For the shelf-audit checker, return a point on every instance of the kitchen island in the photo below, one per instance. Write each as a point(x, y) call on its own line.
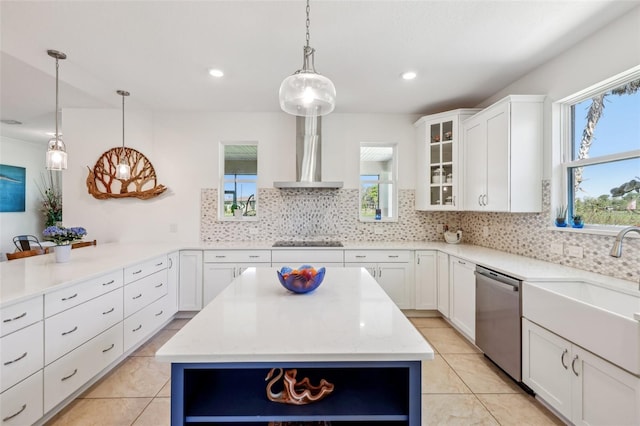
point(347, 331)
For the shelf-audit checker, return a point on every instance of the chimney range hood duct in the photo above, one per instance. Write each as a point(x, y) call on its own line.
point(308, 157)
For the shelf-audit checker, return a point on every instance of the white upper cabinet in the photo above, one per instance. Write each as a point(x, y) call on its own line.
point(502, 156)
point(438, 161)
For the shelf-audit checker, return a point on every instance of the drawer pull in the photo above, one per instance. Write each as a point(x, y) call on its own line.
point(170, 263)
point(64, 299)
point(69, 376)
point(109, 283)
point(24, 406)
point(70, 331)
point(137, 297)
point(137, 328)
point(109, 311)
point(360, 256)
point(219, 256)
point(16, 360)
point(393, 256)
point(22, 315)
point(160, 313)
point(159, 264)
point(253, 256)
point(109, 348)
point(159, 285)
point(137, 272)
point(461, 262)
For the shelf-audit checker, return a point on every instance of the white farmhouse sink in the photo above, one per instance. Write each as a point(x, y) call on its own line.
point(602, 320)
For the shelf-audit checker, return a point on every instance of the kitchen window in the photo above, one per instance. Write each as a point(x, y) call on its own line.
point(239, 181)
point(602, 153)
point(378, 182)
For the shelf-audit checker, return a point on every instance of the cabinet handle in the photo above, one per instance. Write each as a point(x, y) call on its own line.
point(393, 256)
point(159, 285)
point(480, 199)
point(573, 366)
point(22, 315)
point(379, 272)
point(64, 299)
point(454, 200)
point(361, 256)
point(137, 297)
point(16, 360)
point(220, 256)
point(137, 328)
point(137, 272)
point(253, 256)
point(418, 262)
point(69, 376)
point(109, 283)
point(24, 406)
point(64, 333)
point(160, 313)
point(485, 200)
point(159, 264)
point(109, 348)
point(461, 262)
point(566, 367)
point(109, 311)
point(170, 263)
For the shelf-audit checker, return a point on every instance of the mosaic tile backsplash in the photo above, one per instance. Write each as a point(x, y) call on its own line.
point(303, 214)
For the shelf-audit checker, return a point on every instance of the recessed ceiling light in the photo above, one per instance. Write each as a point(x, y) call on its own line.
point(216, 72)
point(409, 75)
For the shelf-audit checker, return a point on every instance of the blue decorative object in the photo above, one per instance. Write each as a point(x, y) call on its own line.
point(302, 280)
point(562, 224)
point(12, 188)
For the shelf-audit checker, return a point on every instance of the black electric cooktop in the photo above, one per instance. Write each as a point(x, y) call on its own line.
point(307, 244)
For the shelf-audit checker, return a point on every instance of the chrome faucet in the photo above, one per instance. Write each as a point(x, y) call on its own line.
point(616, 250)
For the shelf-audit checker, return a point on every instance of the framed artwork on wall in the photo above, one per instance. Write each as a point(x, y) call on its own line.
point(12, 188)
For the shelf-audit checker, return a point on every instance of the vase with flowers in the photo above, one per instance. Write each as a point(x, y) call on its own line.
point(63, 237)
point(51, 198)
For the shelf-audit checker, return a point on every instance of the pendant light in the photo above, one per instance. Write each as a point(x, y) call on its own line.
point(56, 151)
point(307, 93)
point(123, 171)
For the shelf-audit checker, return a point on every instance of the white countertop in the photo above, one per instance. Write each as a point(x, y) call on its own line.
point(348, 318)
point(24, 278)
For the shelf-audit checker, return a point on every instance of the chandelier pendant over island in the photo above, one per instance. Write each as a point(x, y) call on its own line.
point(123, 170)
point(56, 151)
point(307, 93)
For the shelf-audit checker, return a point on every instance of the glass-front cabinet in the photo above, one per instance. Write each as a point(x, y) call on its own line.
point(438, 165)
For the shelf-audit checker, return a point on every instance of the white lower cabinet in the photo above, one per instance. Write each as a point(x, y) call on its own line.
point(314, 257)
point(392, 269)
point(426, 273)
point(173, 281)
point(443, 284)
point(22, 404)
point(140, 325)
point(190, 294)
point(462, 294)
point(584, 388)
point(67, 374)
point(22, 354)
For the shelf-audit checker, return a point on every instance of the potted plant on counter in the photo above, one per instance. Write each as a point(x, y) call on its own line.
point(561, 216)
point(577, 221)
point(63, 237)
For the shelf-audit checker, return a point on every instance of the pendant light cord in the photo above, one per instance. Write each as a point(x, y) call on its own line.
point(308, 23)
point(123, 123)
point(57, 102)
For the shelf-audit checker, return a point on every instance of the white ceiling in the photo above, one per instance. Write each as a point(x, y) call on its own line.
point(463, 51)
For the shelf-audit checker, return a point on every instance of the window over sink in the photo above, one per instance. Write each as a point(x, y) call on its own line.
point(239, 181)
point(601, 153)
point(378, 182)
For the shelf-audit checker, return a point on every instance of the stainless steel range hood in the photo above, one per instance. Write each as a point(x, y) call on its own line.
point(308, 157)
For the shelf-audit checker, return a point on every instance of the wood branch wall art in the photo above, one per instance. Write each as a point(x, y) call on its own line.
point(102, 182)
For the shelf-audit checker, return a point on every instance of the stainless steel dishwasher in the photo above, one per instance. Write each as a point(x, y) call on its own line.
point(498, 312)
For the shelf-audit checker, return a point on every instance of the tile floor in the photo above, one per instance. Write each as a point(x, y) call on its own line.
point(459, 387)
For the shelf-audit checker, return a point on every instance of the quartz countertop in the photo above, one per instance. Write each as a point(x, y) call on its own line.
point(348, 318)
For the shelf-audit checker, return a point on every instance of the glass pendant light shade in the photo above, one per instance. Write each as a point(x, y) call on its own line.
point(56, 158)
point(307, 93)
point(56, 154)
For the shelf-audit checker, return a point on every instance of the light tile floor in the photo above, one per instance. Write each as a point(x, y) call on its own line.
point(459, 387)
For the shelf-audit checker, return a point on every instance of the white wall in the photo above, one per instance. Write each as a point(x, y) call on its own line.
point(183, 147)
point(31, 156)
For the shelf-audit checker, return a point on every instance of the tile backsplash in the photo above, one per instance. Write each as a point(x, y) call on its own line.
point(304, 214)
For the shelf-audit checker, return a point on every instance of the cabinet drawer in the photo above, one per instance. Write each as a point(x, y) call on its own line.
point(71, 328)
point(237, 256)
point(20, 315)
point(315, 258)
point(21, 355)
point(73, 370)
point(69, 297)
point(139, 294)
point(378, 256)
point(143, 269)
point(145, 322)
point(22, 404)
